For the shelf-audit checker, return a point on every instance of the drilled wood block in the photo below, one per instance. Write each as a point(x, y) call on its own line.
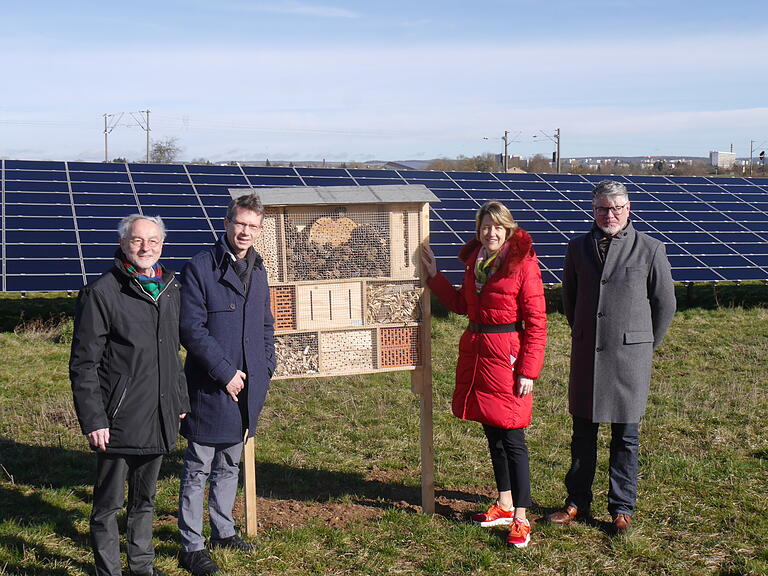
point(347, 351)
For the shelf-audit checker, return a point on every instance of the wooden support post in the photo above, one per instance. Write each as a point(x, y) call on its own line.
point(250, 485)
point(426, 437)
point(421, 382)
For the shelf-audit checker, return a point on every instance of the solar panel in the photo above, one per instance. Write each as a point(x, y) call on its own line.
point(59, 218)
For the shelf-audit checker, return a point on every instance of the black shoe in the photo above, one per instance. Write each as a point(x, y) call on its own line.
point(233, 543)
point(198, 562)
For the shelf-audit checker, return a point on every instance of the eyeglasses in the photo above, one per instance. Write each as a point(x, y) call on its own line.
point(244, 226)
point(151, 242)
point(603, 210)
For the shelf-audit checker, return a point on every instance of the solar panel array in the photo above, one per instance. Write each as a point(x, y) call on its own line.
point(59, 219)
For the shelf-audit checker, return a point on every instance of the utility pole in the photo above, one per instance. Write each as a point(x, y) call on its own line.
point(556, 140)
point(147, 113)
point(505, 159)
point(144, 124)
point(751, 151)
point(108, 127)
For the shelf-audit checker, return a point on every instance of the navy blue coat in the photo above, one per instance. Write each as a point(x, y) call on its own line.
point(223, 330)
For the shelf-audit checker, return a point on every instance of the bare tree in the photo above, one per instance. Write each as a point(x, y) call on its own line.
point(539, 164)
point(164, 151)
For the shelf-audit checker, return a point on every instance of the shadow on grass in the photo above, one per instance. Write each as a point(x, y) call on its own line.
point(53, 467)
point(280, 482)
point(16, 311)
point(14, 569)
point(29, 509)
point(761, 454)
point(30, 469)
point(312, 484)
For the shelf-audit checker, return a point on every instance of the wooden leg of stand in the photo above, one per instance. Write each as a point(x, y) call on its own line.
point(427, 449)
point(250, 487)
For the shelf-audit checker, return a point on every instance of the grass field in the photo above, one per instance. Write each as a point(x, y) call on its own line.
point(338, 465)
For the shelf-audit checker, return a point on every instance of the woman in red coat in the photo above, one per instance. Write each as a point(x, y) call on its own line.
point(500, 353)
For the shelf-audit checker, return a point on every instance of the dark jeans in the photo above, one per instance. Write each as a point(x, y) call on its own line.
point(622, 490)
point(112, 470)
point(509, 457)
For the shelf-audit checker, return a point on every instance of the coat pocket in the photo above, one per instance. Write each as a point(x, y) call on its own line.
point(119, 391)
point(638, 337)
point(221, 308)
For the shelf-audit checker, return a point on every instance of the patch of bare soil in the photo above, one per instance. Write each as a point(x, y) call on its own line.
point(284, 512)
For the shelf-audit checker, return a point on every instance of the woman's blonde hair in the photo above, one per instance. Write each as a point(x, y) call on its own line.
point(500, 215)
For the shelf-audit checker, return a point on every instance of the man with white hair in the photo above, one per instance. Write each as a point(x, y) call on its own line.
point(619, 299)
point(129, 389)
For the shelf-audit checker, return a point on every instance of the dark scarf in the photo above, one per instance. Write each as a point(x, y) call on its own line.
point(242, 266)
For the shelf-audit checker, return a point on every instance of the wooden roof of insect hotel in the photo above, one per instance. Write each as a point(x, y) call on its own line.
point(309, 195)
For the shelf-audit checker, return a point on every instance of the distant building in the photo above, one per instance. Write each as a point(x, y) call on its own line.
point(724, 160)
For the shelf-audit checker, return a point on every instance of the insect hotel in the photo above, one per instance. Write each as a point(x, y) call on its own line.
point(348, 292)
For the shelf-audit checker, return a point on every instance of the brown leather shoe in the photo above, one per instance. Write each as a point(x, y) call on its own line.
point(622, 523)
point(567, 515)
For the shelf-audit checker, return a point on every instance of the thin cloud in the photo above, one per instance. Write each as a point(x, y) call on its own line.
point(291, 9)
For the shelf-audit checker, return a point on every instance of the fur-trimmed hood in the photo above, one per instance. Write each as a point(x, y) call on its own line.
point(520, 245)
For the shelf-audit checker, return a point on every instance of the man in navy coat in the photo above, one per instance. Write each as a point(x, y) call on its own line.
point(227, 329)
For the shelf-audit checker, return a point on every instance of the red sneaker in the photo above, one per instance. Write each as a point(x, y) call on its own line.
point(519, 533)
point(495, 516)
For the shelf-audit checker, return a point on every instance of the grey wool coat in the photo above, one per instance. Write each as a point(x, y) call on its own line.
point(619, 314)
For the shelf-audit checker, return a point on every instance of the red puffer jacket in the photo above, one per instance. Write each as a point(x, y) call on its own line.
point(488, 364)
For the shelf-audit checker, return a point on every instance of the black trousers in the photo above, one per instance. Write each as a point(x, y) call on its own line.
point(622, 466)
point(112, 470)
point(509, 457)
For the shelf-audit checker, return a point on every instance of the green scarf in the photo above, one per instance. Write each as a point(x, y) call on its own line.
point(152, 285)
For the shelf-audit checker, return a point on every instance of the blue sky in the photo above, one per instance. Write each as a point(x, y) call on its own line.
point(354, 81)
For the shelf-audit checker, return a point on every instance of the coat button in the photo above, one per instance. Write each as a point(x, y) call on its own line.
point(600, 314)
point(232, 306)
point(598, 349)
point(603, 281)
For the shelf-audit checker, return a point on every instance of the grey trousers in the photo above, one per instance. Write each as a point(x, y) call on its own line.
point(219, 463)
point(112, 470)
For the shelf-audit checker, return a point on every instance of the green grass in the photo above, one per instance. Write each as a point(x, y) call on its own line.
point(348, 450)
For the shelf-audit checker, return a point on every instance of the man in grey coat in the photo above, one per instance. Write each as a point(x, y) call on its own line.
point(619, 300)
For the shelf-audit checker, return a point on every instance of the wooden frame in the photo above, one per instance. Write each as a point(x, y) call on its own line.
point(334, 314)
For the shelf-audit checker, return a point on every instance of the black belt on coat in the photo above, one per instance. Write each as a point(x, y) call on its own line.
point(495, 328)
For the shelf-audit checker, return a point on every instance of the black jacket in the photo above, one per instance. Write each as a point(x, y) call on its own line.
point(124, 367)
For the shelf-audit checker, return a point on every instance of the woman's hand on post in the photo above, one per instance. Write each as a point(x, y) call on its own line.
point(428, 259)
